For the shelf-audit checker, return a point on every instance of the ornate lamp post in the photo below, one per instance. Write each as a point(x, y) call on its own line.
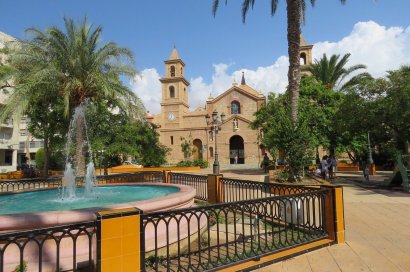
point(215, 126)
point(101, 155)
point(370, 158)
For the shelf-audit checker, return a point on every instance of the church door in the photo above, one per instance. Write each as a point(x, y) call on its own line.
point(197, 149)
point(236, 150)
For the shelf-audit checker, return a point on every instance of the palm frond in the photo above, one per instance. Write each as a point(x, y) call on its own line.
point(273, 6)
point(331, 71)
point(246, 4)
point(215, 7)
point(362, 77)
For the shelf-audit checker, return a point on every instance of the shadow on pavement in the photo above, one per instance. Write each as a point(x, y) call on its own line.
point(376, 186)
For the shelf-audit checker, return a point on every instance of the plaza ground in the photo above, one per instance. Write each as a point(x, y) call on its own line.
point(377, 228)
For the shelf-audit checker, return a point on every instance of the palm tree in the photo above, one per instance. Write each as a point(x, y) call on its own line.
point(331, 72)
point(295, 16)
point(74, 64)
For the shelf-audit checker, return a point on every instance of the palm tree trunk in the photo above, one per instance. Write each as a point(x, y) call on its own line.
point(294, 20)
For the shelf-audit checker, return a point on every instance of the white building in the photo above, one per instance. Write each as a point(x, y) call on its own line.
point(15, 142)
point(9, 137)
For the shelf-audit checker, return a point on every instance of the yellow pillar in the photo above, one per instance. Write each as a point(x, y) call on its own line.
point(334, 209)
point(119, 240)
point(215, 190)
point(339, 215)
point(220, 189)
point(372, 170)
point(167, 176)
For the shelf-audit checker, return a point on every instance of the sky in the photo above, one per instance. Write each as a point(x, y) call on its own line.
point(216, 50)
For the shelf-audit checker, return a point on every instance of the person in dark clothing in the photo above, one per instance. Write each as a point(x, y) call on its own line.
point(265, 162)
point(324, 166)
point(366, 172)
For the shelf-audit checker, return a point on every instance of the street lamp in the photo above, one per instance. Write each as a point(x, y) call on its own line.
point(215, 126)
point(101, 155)
point(370, 158)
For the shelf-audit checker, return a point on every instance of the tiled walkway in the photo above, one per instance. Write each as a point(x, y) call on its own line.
point(377, 236)
point(377, 232)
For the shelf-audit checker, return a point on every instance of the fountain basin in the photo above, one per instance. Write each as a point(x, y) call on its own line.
point(182, 197)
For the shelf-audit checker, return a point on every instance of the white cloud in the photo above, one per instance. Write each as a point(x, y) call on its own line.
point(379, 48)
point(265, 79)
point(148, 88)
point(369, 43)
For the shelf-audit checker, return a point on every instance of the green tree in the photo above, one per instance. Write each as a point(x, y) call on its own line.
point(295, 16)
point(73, 63)
point(47, 122)
point(116, 134)
point(186, 147)
point(40, 158)
point(396, 107)
point(150, 151)
point(351, 123)
point(296, 143)
point(322, 104)
point(380, 107)
point(332, 71)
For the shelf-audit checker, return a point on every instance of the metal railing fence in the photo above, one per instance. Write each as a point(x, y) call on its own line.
point(29, 184)
point(237, 190)
point(55, 182)
point(200, 183)
point(146, 176)
point(254, 220)
point(63, 248)
point(208, 237)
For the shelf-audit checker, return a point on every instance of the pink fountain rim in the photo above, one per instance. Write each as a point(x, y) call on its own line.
point(184, 198)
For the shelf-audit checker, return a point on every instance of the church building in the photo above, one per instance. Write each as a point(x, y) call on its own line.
point(235, 142)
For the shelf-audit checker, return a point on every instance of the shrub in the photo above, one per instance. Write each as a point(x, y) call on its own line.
point(184, 164)
point(21, 268)
point(40, 158)
point(200, 163)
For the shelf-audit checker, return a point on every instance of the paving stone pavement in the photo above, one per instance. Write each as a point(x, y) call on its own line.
point(377, 230)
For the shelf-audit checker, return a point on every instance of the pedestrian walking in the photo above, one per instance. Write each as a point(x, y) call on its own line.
point(265, 162)
point(366, 172)
point(332, 167)
point(324, 166)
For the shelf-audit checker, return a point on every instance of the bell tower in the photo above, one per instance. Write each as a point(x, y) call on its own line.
point(305, 55)
point(174, 101)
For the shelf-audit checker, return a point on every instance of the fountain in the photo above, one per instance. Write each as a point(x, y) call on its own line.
point(67, 206)
point(79, 204)
point(75, 137)
point(18, 215)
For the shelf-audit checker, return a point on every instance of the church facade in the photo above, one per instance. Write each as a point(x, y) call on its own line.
point(235, 141)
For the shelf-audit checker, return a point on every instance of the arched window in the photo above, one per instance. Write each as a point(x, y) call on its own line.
point(302, 58)
point(182, 73)
point(235, 107)
point(172, 71)
point(171, 91)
